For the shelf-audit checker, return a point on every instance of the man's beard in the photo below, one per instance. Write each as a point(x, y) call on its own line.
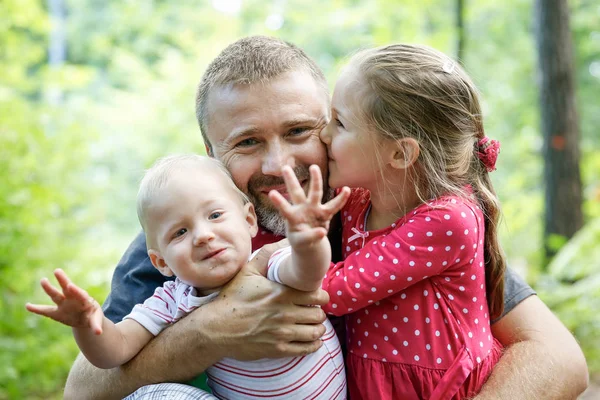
point(268, 216)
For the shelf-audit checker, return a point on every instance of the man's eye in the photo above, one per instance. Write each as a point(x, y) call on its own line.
point(246, 143)
point(180, 232)
point(339, 123)
point(215, 215)
point(298, 131)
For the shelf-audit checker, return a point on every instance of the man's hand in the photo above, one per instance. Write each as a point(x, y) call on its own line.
point(74, 306)
point(255, 318)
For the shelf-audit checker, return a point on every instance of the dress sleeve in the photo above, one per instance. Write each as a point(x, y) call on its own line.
point(158, 311)
point(430, 241)
point(133, 281)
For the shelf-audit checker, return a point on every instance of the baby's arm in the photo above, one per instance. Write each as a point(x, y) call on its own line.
point(307, 222)
point(103, 343)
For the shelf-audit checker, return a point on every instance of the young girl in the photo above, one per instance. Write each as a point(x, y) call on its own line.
point(423, 270)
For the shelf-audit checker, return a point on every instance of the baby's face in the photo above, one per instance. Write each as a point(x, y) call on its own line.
point(203, 230)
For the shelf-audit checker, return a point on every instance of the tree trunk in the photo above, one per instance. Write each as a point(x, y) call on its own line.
point(559, 122)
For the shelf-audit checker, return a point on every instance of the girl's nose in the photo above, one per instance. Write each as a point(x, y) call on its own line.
point(325, 134)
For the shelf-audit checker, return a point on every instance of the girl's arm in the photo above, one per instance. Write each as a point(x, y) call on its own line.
point(307, 222)
point(431, 241)
point(104, 344)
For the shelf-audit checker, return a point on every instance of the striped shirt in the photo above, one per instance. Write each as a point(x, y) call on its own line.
point(319, 375)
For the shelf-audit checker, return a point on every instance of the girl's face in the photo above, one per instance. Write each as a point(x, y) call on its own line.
point(352, 147)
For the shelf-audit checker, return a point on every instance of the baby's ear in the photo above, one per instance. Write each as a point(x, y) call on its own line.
point(405, 154)
point(251, 218)
point(159, 263)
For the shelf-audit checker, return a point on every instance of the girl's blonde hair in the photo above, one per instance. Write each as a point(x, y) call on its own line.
point(413, 91)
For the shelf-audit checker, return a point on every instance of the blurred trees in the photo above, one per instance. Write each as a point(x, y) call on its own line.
point(70, 170)
point(563, 215)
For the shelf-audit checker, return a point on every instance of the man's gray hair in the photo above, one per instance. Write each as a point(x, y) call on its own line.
point(253, 59)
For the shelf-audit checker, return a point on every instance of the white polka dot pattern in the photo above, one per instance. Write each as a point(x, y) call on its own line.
point(427, 263)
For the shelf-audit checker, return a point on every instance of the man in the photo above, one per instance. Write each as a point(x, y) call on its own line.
point(261, 104)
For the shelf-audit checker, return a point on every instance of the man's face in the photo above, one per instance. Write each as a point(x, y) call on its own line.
point(256, 129)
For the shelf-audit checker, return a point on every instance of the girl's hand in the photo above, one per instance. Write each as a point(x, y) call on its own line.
point(307, 220)
point(74, 306)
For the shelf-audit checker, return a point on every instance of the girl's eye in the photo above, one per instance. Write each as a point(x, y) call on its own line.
point(180, 232)
point(339, 123)
point(215, 215)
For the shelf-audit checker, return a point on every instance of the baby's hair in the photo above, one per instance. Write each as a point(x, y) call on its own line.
point(157, 176)
point(413, 91)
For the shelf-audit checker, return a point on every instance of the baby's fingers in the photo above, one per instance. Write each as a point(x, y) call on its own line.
point(334, 205)
point(293, 185)
point(315, 192)
point(51, 291)
point(62, 279)
point(281, 204)
point(46, 311)
point(76, 293)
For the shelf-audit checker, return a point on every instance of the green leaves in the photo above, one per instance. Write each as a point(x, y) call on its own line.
point(69, 170)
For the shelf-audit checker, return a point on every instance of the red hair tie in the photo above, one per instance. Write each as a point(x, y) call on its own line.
point(487, 151)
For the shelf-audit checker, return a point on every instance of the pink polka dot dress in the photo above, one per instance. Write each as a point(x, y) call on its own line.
point(414, 294)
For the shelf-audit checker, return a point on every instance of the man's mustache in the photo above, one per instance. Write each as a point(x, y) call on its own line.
point(262, 181)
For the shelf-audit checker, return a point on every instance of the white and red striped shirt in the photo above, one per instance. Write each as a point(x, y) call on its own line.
point(319, 375)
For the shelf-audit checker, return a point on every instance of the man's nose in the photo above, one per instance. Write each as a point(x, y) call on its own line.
point(203, 235)
point(276, 157)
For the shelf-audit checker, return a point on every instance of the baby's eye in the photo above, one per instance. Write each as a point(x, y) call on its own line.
point(180, 232)
point(339, 123)
point(215, 215)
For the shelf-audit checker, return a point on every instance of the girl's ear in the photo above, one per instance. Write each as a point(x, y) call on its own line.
point(251, 218)
point(405, 154)
point(159, 263)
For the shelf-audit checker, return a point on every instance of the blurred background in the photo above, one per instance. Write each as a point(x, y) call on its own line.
point(93, 91)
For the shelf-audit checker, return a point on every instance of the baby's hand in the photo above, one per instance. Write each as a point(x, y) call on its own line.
point(307, 219)
point(74, 306)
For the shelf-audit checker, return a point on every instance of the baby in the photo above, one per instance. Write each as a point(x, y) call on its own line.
point(199, 227)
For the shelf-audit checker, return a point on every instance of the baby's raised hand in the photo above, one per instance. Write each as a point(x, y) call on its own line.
point(307, 219)
point(74, 306)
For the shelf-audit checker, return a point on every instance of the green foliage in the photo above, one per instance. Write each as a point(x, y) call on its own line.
point(572, 289)
point(75, 138)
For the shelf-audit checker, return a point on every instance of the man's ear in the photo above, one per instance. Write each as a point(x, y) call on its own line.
point(251, 218)
point(405, 154)
point(159, 263)
point(208, 150)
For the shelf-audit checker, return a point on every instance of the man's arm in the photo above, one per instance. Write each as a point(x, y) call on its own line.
point(542, 360)
point(251, 318)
